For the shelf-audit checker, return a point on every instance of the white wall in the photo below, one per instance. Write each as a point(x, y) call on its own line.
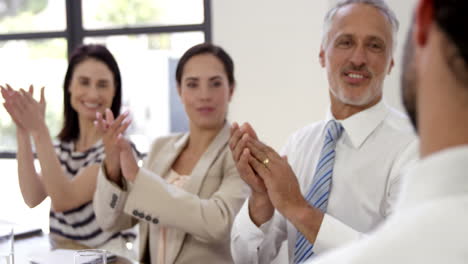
point(275, 45)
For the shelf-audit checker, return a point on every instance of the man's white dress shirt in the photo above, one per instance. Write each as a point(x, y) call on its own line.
point(376, 145)
point(430, 223)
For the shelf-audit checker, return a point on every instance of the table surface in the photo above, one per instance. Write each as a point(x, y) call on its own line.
point(40, 243)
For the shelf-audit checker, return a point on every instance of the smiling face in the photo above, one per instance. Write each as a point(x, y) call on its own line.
point(357, 55)
point(91, 88)
point(205, 91)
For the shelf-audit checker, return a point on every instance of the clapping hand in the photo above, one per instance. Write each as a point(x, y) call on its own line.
point(279, 178)
point(237, 144)
point(119, 154)
point(27, 113)
point(260, 207)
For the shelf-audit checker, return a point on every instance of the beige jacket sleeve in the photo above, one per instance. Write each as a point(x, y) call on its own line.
point(207, 213)
point(109, 201)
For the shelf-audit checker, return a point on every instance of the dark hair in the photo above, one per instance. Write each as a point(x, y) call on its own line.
point(71, 129)
point(207, 48)
point(451, 17)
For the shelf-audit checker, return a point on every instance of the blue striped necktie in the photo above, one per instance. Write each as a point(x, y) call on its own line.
point(320, 187)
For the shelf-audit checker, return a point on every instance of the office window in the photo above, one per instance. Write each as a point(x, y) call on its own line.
point(23, 64)
point(99, 14)
point(147, 37)
point(19, 16)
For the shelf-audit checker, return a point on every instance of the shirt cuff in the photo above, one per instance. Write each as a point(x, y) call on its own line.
point(246, 237)
point(254, 232)
point(333, 234)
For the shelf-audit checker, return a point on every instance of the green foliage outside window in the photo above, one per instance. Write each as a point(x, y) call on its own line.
point(124, 12)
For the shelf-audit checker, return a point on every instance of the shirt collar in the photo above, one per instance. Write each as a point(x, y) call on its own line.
point(440, 175)
point(360, 125)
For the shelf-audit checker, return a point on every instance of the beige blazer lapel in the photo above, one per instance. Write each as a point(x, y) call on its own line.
point(168, 156)
point(163, 163)
point(206, 160)
point(198, 174)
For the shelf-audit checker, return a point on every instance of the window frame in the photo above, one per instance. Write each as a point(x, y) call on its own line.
point(75, 33)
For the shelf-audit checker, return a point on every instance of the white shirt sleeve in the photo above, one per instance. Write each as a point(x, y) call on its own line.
point(333, 233)
point(406, 160)
point(252, 244)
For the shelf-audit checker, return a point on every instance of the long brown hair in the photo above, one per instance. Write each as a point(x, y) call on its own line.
point(71, 130)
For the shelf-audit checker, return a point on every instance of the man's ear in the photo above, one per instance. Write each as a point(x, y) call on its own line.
point(392, 63)
point(424, 20)
point(322, 56)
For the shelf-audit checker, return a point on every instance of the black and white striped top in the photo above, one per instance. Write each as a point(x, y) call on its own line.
point(80, 224)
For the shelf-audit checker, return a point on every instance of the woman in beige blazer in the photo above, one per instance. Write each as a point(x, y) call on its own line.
point(188, 191)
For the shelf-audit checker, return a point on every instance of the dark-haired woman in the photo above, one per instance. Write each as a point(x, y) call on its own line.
point(69, 169)
point(188, 191)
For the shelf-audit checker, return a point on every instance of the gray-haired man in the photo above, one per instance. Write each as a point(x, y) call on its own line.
point(342, 175)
